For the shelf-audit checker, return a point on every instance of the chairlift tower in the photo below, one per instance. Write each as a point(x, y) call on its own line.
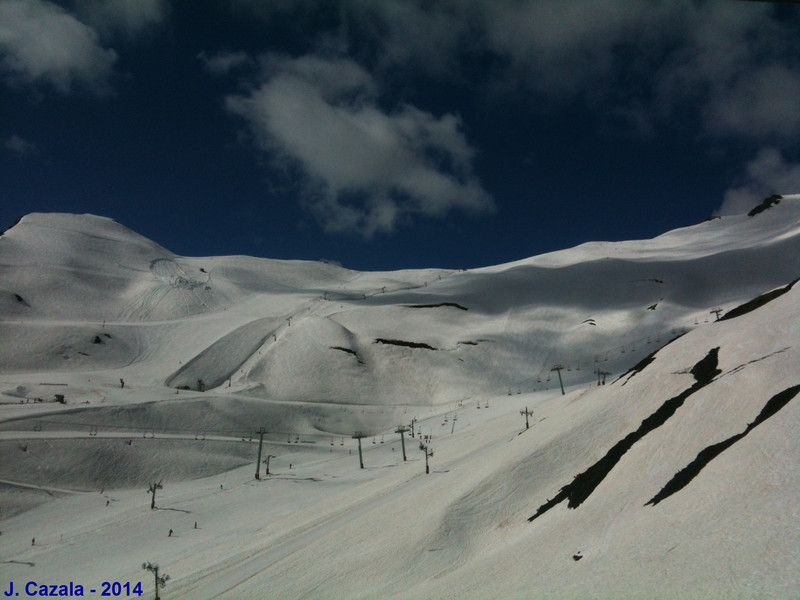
point(601, 376)
point(359, 436)
point(266, 460)
point(152, 489)
point(557, 368)
point(428, 453)
point(160, 581)
point(401, 429)
point(260, 433)
point(527, 414)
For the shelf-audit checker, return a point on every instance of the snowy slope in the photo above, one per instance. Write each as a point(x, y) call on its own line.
point(313, 352)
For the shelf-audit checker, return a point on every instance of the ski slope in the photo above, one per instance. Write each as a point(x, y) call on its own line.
point(312, 353)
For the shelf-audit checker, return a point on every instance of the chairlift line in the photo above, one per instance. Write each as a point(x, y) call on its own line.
point(55, 428)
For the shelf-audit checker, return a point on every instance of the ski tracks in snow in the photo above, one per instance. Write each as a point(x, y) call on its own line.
point(224, 577)
point(169, 279)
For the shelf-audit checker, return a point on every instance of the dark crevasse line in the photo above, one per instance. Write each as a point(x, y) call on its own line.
point(404, 343)
point(585, 483)
point(757, 302)
point(773, 405)
point(349, 351)
point(640, 366)
point(439, 305)
point(682, 478)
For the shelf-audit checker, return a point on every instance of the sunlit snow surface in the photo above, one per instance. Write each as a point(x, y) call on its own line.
point(313, 353)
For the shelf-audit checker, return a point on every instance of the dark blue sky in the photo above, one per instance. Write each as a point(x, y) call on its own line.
point(396, 134)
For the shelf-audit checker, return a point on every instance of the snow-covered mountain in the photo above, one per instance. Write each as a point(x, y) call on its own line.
point(123, 364)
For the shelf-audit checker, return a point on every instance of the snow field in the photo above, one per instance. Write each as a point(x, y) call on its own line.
point(320, 527)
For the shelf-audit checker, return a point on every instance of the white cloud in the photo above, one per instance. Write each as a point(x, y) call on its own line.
point(427, 38)
point(19, 146)
point(761, 103)
point(768, 173)
point(42, 43)
point(738, 66)
point(734, 67)
point(223, 63)
point(128, 17)
point(719, 70)
point(716, 67)
point(560, 47)
point(365, 168)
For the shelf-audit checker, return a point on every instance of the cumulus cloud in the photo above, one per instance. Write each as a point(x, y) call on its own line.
point(720, 68)
point(559, 48)
point(223, 63)
point(127, 17)
point(733, 66)
point(762, 103)
point(429, 38)
point(739, 66)
point(19, 146)
point(42, 43)
point(713, 69)
point(365, 168)
point(768, 173)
